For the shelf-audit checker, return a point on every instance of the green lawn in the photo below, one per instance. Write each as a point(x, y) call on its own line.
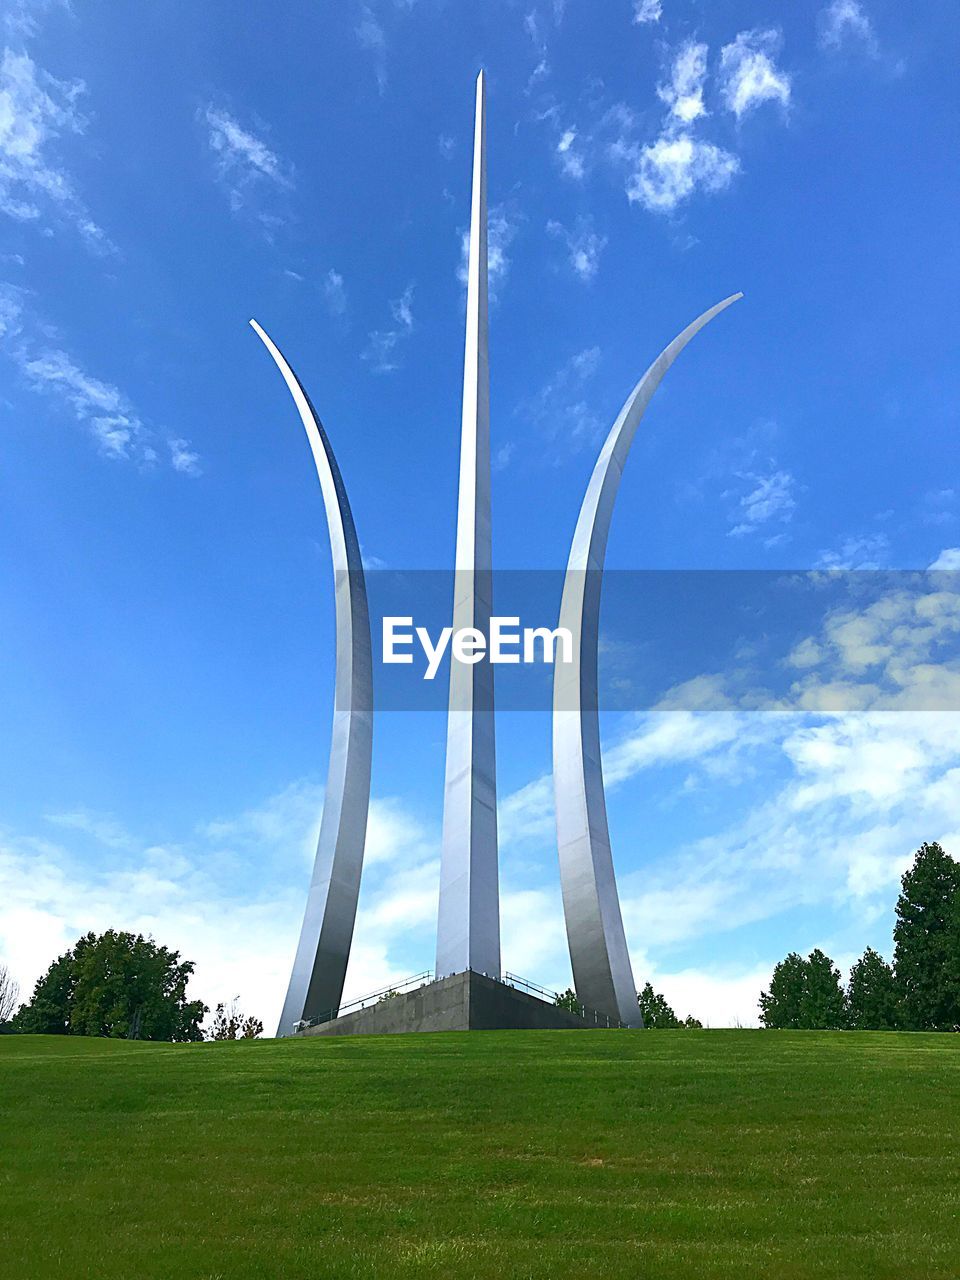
point(514, 1154)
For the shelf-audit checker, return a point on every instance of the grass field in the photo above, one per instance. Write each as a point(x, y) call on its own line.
point(514, 1154)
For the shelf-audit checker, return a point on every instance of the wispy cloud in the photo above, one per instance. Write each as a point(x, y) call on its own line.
point(241, 936)
point(21, 18)
point(37, 112)
point(183, 458)
point(246, 167)
point(334, 293)
point(570, 156)
point(671, 169)
point(531, 24)
point(666, 172)
point(749, 75)
point(101, 827)
point(769, 500)
point(845, 22)
point(103, 408)
point(866, 551)
point(584, 246)
point(684, 92)
point(503, 456)
point(560, 409)
point(372, 37)
point(647, 11)
point(382, 350)
point(502, 226)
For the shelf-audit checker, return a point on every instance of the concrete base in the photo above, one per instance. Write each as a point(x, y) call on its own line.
point(463, 1002)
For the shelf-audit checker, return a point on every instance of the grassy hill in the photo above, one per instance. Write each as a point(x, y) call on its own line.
point(507, 1154)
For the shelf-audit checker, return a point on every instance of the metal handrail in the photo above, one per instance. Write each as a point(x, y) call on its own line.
point(395, 988)
point(589, 1015)
point(421, 979)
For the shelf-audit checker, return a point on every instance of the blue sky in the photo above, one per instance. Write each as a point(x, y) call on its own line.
point(165, 654)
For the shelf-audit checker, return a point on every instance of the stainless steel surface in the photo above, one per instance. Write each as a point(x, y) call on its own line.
point(316, 983)
point(468, 925)
point(602, 972)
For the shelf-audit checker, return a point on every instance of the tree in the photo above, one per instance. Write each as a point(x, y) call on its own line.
point(872, 1001)
point(824, 1005)
point(782, 1006)
point(655, 1010)
point(925, 941)
point(9, 994)
point(804, 995)
point(568, 1000)
point(230, 1024)
point(119, 985)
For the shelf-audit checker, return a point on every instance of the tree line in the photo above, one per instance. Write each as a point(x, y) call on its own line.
point(120, 985)
point(918, 991)
point(656, 1012)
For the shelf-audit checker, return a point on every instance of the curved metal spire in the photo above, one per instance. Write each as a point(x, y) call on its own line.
point(316, 983)
point(602, 973)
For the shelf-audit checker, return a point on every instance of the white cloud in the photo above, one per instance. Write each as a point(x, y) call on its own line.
point(104, 829)
point(570, 156)
point(559, 408)
point(584, 246)
point(36, 112)
point(183, 458)
point(868, 551)
point(230, 898)
point(21, 18)
point(949, 558)
point(372, 38)
point(647, 11)
point(446, 145)
point(382, 352)
point(719, 997)
point(684, 93)
point(749, 75)
point(843, 21)
point(245, 164)
point(334, 293)
point(531, 25)
point(502, 457)
point(102, 407)
point(671, 169)
point(502, 227)
point(770, 499)
point(526, 814)
point(370, 561)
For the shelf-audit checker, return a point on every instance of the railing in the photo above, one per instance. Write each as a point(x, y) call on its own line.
point(592, 1016)
point(374, 997)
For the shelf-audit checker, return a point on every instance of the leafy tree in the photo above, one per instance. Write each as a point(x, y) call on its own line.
point(925, 941)
point(230, 1024)
point(804, 995)
point(782, 1006)
point(119, 985)
point(824, 1005)
point(9, 994)
point(692, 1023)
point(872, 1001)
point(657, 1013)
point(568, 1000)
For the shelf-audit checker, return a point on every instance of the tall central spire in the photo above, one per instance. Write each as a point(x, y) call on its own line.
point(468, 928)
